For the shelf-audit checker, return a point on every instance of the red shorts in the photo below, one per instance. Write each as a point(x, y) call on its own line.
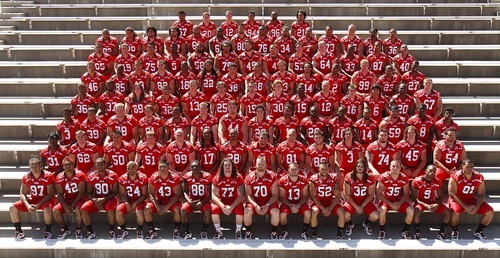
point(368, 209)
point(60, 208)
point(172, 208)
point(484, 208)
point(238, 210)
point(272, 206)
point(187, 208)
point(22, 208)
point(327, 204)
point(402, 208)
point(122, 207)
point(109, 205)
point(441, 174)
point(441, 208)
point(285, 209)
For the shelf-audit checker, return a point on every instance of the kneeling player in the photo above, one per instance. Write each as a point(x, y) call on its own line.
point(359, 188)
point(164, 193)
point(228, 191)
point(324, 189)
point(466, 189)
point(427, 193)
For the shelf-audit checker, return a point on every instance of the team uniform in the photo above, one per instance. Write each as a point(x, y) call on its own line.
point(318, 156)
point(133, 189)
point(326, 103)
point(70, 189)
point(381, 156)
point(348, 155)
point(208, 155)
point(235, 152)
point(67, 131)
point(427, 192)
point(166, 104)
point(83, 155)
point(164, 190)
point(118, 156)
point(312, 126)
point(198, 190)
point(359, 193)
point(150, 156)
point(393, 190)
point(102, 186)
point(449, 157)
point(38, 190)
point(283, 126)
point(54, 157)
point(126, 126)
point(228, 192)
point(413, 81)
point(293, 193)
point(261, 189)
point(410, 154)
point(466, 191)
point(325, 190)
point(180, 154)
point(338, 127)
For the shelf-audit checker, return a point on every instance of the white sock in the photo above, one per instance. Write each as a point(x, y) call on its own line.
point(238, 227)
point(217, 227)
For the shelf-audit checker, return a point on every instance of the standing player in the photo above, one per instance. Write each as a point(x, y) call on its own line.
point(262, 192)
point(393, 191)
point(392, 43)
point(165, 192)
point(197, 187)
point(467, 192)
point(228, 192)
point(39, 185)
point(70, 190)
point(427, 193)
point(324, 190)
point(404, 101)
point(294, 194)
point(359, 188)
point(233, 120)
point(353, 103)
point(67, 127)
point(102, 188)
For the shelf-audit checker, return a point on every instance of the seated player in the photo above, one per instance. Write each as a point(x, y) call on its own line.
point(228, 192)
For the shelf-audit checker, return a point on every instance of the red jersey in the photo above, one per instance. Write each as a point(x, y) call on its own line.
point(262, 44)
point(208, 155)
point(283, 126)
point(83, 155)
point(355, 42)
point(103, 185)
point(206, 29)
point(287, 79)
point(257, 151)
point(441, 126)
point(290, 154)
point(393, 188)
point(392, 47)
point(179, 41)
point(110, 99)
point(331, 42)
point(70, 184)
point(258, 127)
point(197, 62)
point(228, 187)
point(318, 156)
point(309, 82)
point(299, 28)
point(325, 103)
point(359, 187)
point(377, 106)
point(338, 127)
point(150, 62)
point(277, 104)
point(250, 103)
point(137, 106)
point(429, 99)
point(377, 63)
point(389, 84)
point(38, 186)
point(54, 157)
point(229, 28)
point(127, 62)
point(166, 103)
point(133, 186)
point(235, 152)
point(133, 45)
point(325, 187)
point(293, 190)
point(324, 62)
point(150, 156)
point(175, 124)
point(121, 83)
point(164, 187)
point(403, 64)
point(467, 188)
point(101, 62)
point(249, 59)
point(364, 81)
point(193, 102)
point(301, 106)
point(423, 126)
point(235, 123)
point(151, 126)
point(274, 28)
point(297, 63)
point(198, 187)
point(186, 27)
point(238, 43)
point(348, 155)
point(312, 126)
point(220, 104)
point(180, 155)
point(251, 29)
point(224, 60)
point(118, 157)
point(183, 82)
point(336, 83)
point(352, 106)
point(261, 81)
point(93, 129)
point(140, 77)
point(174, 63)
point(395, 129)
point(410, 154)
point(285, 45)
point(159, 42)
point(193, 40)
point(199, 123)
point(208, 83)
point(234, 84)
point(92, 82)
point(308, 44)
point(450, 155)
point(404, 104)
point(413, 81)
point(369, 46)
point(382, 157)
point(261, 186)
point(367, 130)
point(272, 62)
point(126, 126)
point(67, 131)
point(350, 64)
point(427, 191)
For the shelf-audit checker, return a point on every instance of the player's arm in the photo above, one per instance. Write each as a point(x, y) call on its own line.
point(439, 108)
point(215, 130)
point(244, 161)
point(60, 196)
point(23, 192)
point(369, 196)
point(177, 195)
point(193, 134)
point(369, 160)
point(421, 164)
point(142, 198)
point(81, 191)
point(437, 160)
point(185, 191)
point(50, 194)
point(152, 196)
point(336, 192)
point(282, 196)
point(274, 193)
point(280, 163)
point(170, 161)
point(241, 196)
point(312, 192)
point(309, 166)
point(215, 197)
point(380, 194)
point(406, 194)
point(248, 192)
point(244, 130)
point(481, 192)
point(463, 156)
point(221, 131)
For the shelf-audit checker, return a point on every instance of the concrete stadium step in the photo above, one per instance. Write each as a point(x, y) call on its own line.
point(453, 86)
point(484, 153)
point(33, 107)
point(411, 37)
point(459, 68)
point(43, 87)
point(473, 106)
point(45, 52)
point(164, 22)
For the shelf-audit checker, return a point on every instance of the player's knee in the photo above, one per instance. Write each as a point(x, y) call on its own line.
point(410, 210)
point(374, 216)
point(341, 212)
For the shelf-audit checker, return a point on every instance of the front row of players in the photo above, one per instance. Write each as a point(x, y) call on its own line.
point(265, 194)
